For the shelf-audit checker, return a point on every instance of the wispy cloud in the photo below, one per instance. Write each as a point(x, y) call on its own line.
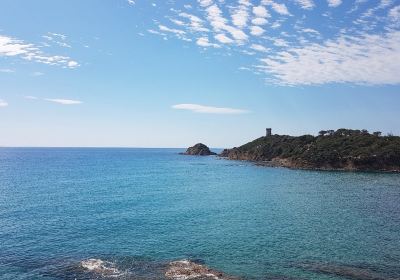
point(203, 42)
point(306, 4)
point(277, 7)
point(167, 29)
point(12, 47)
point(240, 14)
point(394, 14)
point(37, 74)
point(208, 109)
point(369, 59)
point(3, 103)
point(56, 39)
point(334, 3)
point(259, 48)
point(55, 100)
point(6, 70)
point(64, 101)
point(358, 48)
point(30, 97)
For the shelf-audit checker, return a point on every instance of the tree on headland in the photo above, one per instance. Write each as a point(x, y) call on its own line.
point(377, 133)
point(341, 149)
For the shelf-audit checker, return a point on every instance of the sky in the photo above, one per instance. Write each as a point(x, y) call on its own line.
point(139, 73)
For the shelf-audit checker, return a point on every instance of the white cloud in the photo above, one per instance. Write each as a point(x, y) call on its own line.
point(223, 38)
point(56, 38)
point(394, 14)
point(310, 30)
point(279, 8)
point(11, 47)
point(203, 42)
point(155, 32)
point(245, 2)
point(276, 25)
point(251, 27)
point(172, 30)
point(260, 11)
point(280, 42)
point(73, 64)
point(259, 48)
point(208, 109)
point(195, 23)
point(219, 23)
point(367, 59)
point(259, 21)
point(256, 30)
point(37, 74)
point(334, 3)
point(214, 15)
point(131, 2)
point(177, 22)
point(205, 3)
point(55, 100)
point(240, 16)
point(3, 103)
point(30, 97)
point(306, 4)
point(64, 101)
point(370, 12)
point(6, 70)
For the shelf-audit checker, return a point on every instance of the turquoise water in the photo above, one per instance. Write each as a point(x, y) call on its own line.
point(141, 208)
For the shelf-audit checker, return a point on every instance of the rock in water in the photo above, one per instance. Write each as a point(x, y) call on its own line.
point(185, 270)
point(199, 150)
point(100, 267)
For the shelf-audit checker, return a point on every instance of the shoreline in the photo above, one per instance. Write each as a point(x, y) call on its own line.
point(279, 163)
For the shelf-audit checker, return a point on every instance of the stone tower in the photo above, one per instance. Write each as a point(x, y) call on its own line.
point(269, 132)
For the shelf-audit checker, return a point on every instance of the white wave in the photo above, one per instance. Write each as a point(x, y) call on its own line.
point(99, 266)
point(185, 270)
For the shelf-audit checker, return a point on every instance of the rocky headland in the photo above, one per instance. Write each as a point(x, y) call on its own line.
point(343, 149)
point(199, 150)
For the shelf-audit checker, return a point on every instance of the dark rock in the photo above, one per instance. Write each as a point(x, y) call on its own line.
point(199, 150)
point(186, 269)
point(347, 271)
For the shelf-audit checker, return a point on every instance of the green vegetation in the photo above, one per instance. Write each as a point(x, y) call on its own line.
point(340, 149)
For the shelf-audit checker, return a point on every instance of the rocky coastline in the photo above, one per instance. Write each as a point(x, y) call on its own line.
point(341, 150)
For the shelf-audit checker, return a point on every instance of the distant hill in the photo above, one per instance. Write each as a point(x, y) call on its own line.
point(343, 149)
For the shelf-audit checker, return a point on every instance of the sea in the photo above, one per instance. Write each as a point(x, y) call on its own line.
point(127, 213)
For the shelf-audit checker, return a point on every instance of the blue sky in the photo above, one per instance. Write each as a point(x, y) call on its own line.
point(174, 73)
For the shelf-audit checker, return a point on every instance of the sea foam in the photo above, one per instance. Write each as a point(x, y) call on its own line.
point(98, 266)
point(185, 270)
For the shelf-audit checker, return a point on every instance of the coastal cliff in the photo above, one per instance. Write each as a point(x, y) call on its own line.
point(343, 149)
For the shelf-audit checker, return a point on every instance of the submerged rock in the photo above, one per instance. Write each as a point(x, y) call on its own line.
point(184, 269)
point(348, 271)
point(101, 267)
point(199, 150)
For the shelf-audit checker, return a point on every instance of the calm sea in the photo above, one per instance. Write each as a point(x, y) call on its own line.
point(137, 209)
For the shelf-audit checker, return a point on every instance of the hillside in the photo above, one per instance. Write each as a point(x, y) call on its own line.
point(343, 149)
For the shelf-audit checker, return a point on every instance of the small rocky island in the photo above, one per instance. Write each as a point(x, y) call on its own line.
point(343, 149)
point(199, 150)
